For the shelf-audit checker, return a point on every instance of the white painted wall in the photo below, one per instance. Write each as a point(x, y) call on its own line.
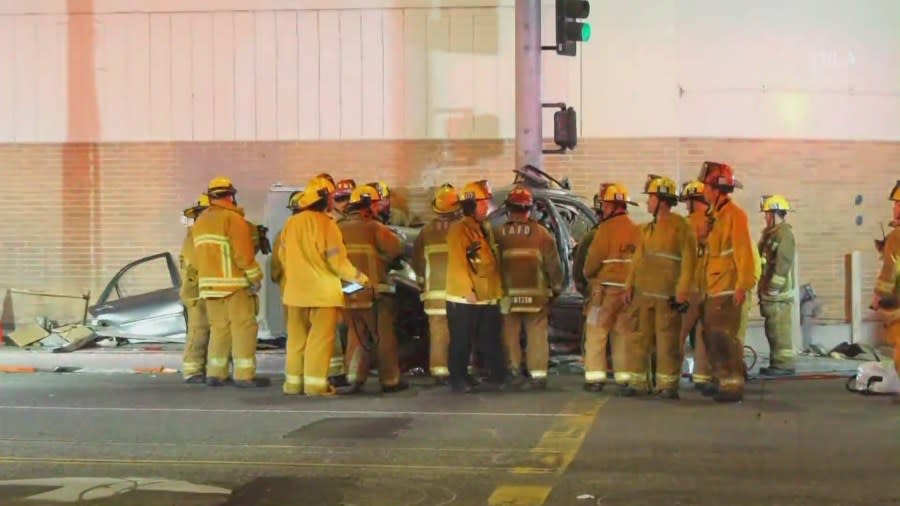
point(378, 69)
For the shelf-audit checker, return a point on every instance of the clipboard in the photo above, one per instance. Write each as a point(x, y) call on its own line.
point(351, 288)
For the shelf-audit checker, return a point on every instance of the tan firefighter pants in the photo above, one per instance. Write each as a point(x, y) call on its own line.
point(336, 365)
point(606, 322)
point(439, 345)
point(778, 332)
point(655, 325)
point(197, 342)
point(233, 327)
point(691, 321)
point(309, 347)
point(365, 326)
point(892, 331)
point(538, 345)
point(721, 326)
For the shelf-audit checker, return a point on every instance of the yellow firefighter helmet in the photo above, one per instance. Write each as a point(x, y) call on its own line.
point(362, 193)
point(317, 189)
point(294, 200)
point(615, 192)
point(446, 200)
point(382, 188)
point(895, 193)
point(476, 190)
point(220, 187)
point(661, 186)
point(692, 190)
point(193, 211)
point(773, 203)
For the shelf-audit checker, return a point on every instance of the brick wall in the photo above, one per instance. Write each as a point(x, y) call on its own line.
point(72, 215)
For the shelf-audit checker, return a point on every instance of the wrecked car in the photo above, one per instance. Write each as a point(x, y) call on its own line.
point(129, 309)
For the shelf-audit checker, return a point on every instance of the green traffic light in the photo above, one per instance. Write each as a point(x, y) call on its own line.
point(585, 32)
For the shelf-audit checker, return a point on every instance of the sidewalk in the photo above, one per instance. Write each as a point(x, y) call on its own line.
point(131, 359)
point(166, 359)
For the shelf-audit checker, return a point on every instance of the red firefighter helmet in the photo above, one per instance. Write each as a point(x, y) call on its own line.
point(719, 175)
point(344, 188)
point(520, 197)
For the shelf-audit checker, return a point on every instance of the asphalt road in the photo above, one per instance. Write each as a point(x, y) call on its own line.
point(130, 440)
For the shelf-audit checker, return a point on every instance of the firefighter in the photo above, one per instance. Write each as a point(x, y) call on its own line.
point(370, 313)
point(383, 208)
point(692, 196)
point(728, 280)
point(887, 286)
point(429, 261)
point(337, 376)
point(315, 261)
point(197, 342)
point(580, 253)
point(776, 286)
point(473, 292)
point(532, 277)
point(343, 190)
point(229, 279)
point(606, 269)
point(658, 290)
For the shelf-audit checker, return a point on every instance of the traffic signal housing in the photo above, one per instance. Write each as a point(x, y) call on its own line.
point(570, 29)
point(565, 128)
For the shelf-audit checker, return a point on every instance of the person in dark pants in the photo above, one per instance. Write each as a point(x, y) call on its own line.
point(474, 290)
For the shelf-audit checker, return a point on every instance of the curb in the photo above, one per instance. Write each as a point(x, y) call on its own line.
point(16, 369)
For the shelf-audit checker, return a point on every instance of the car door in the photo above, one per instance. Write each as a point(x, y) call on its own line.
point(142, 303)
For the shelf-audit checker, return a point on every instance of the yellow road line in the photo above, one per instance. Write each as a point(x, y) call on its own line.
point(253, 446)
point(244, 463)
point(556, 450)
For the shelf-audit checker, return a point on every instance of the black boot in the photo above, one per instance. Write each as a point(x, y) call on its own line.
point(212, 381)
point(594, 387)
point(627, 391)
point(710, 389)
point(338, 381)
point(196, 379)
point(777, 371)
point(668, 394)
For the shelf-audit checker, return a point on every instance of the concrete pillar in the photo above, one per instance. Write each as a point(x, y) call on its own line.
point(528, 83)
point(856, 302)
point(796, 330)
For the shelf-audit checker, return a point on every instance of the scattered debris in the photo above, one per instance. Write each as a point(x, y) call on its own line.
point(155, 370)
point(48, 334)
point(28, 334)
point(65, 368)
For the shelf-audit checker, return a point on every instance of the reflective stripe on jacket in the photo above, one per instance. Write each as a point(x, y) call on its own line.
point(223, 244)
point(532, 272)
point(429, 261)
point(609, 256)
point(371, 246)
point(730, 262)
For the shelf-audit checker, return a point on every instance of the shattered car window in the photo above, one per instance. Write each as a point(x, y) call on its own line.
point(579, 224)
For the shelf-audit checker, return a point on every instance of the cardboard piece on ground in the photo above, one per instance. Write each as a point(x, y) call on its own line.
point(77, 337)
point(77, 333)
point(28, 334)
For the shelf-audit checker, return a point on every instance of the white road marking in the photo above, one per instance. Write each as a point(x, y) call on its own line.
point(75, 489)
point(284, 411)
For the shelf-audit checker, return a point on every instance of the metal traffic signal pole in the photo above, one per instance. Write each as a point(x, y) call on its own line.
point(528, 83)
